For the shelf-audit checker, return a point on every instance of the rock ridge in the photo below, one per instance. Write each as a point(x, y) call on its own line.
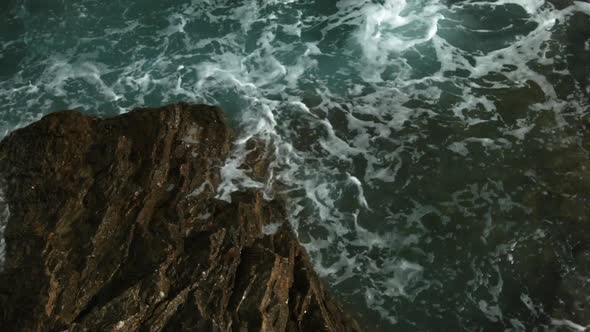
point(114, 226)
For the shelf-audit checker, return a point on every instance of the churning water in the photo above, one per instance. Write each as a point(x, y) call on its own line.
point(434, 153)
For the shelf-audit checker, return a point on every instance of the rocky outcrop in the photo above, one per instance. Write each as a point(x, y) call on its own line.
point(114, 226)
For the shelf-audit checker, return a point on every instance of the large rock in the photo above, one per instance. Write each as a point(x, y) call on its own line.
point(114, 226)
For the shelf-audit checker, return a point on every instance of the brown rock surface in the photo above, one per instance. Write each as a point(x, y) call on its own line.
point(114, 227)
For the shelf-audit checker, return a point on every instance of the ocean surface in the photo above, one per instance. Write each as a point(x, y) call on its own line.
point(435, 154)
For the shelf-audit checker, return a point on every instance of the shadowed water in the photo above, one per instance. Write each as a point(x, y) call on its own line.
point(435, 154)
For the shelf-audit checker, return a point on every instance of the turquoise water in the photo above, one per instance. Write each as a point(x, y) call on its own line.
point(435, 153)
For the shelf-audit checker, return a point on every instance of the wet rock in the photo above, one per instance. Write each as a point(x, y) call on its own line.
point(114, 226)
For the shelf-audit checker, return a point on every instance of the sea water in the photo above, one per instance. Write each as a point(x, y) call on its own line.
point(434, 153)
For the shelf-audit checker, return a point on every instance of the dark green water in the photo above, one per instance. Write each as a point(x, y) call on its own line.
point(435, 154)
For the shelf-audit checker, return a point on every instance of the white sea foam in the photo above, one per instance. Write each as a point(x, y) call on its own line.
point(572, 326)
point(271, 229)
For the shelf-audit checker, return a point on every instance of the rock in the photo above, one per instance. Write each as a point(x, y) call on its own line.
point(114, 226)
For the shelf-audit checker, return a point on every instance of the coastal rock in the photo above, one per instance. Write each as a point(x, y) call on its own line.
point(114, 226)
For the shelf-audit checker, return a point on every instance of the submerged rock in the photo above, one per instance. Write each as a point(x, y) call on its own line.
point(114, 226)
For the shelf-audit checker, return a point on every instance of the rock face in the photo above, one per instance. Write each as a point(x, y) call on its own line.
point(114, 227)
